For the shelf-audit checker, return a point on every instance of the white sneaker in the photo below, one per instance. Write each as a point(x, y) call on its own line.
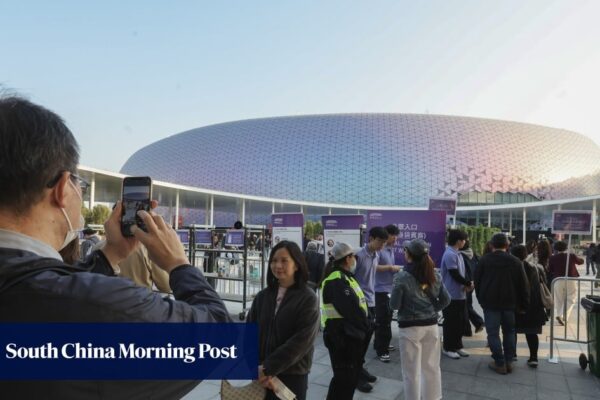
point(451, 354)
point(462, 353)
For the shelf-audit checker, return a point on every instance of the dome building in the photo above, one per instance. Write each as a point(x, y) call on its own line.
point(366, 161)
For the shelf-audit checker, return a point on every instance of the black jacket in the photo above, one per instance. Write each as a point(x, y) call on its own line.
point(316, 264)
point(286, 339)
point(535, 315)
point(500, 282)
point(355, 323)
point(36, 289)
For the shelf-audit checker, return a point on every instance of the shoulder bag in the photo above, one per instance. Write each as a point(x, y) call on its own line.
point(252, 391)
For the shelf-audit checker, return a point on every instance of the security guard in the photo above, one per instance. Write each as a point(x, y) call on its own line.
point(344, 319)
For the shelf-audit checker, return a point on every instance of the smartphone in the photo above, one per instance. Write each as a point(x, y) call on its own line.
point(137, 193)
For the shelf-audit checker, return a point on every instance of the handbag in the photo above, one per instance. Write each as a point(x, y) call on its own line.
point(546, 296)
point(545, 293)
point(252, 391)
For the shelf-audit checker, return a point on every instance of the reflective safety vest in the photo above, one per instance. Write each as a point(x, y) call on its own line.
point(328, 311)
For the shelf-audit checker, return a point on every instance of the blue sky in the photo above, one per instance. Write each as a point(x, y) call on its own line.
point(126, 74)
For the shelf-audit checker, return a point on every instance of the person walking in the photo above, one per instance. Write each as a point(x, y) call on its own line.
point(287, 316)
point(344, 321)
point(471, 259)
point(531, 321)
point(501, 287)
point(454, 278)
point(418, 294)
point(590, 259)
point(565, 291)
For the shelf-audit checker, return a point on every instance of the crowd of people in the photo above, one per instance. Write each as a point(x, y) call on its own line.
point(352, 297)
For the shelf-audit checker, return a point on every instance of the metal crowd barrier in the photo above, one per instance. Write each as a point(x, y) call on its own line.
point(564, 338)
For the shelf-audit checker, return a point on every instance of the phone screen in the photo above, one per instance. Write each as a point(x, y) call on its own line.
point(137, 192)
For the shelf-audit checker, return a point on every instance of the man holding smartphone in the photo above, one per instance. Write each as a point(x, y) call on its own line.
point(40, 213)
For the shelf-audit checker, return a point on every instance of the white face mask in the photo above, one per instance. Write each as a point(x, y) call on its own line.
point(72, 233)
point(353, 265)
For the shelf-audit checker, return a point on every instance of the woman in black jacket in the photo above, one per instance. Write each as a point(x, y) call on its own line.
point(530, 322)
point(287, 315)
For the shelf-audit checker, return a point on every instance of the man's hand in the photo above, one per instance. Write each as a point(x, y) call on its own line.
point(162, 242)
point(117, 246)
point(470, 287)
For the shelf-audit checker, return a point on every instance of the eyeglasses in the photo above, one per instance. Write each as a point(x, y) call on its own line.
point(83, 184)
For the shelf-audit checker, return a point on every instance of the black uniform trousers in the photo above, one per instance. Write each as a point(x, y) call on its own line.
point(455, 317)
point(383, 323)
point(346, 355)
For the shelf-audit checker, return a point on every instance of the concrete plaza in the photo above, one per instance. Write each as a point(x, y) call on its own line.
point(465, 379)
point(468, 378)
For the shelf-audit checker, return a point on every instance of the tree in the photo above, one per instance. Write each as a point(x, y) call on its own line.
point(97, 216)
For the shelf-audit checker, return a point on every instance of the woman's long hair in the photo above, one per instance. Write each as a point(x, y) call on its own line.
point(544, 252)
point(424, 271)
point(300, 276)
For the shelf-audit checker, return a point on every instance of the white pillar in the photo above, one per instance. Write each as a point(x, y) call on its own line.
point(92, 191)
point(594, 223)
point(243, 212)
point(212, 210)
point(510, 222)
point(207, 210)
point(176, 209)
point(489, 218)
point(301, 208)
point(272, 208)
point(524, 225)
point(329, 210)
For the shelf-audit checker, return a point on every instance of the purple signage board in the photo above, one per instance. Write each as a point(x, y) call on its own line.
point(443, 204)
point(429, 225)
point(287, 226)
point(575, 222)
point(287, 220)
point(234, 237)
point(342, 221)
point(203, 238)
point(184, 236)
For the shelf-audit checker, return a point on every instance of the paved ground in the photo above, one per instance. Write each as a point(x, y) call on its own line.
point(468, 378)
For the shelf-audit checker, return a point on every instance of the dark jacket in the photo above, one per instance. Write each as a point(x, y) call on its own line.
point(286, 339)
point(87, 245)
point(354, 323)
point(535, 315)
point(558, 262)
point(501, 283)
point(316, 264)
point(36, 289)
